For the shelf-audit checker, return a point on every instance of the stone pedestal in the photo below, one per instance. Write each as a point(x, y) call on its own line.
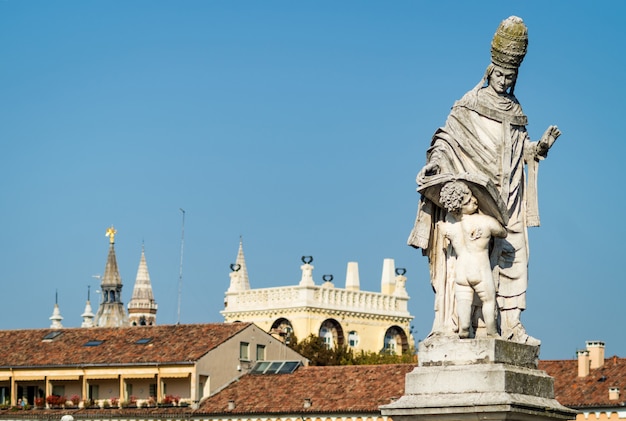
point(477, 379)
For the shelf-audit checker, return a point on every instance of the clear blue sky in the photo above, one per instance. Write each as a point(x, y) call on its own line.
point(299, 126)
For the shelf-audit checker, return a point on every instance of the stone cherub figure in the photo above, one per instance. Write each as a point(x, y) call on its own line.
point(470, 233)
point(485, 134)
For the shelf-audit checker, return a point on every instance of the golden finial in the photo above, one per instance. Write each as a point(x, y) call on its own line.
point(111, 234)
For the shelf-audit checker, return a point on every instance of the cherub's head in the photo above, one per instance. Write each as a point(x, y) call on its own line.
point(457, 197)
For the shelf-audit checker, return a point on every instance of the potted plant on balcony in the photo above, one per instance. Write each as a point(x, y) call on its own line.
point(90, 404)
point(169, 400)
point(56, 401)
point(40, 403)
point(131, 402)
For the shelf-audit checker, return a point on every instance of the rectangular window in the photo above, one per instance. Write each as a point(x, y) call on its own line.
point(58, 390)
point(260, 352)
point(244, 351)
point(50, 336)
point(204, 381)
point(94, 392)
point(153, 389)
point(353, 339)
point(129, 390)
point(4, 395)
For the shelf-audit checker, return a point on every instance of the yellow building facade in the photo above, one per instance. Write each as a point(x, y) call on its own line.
point(363, 320)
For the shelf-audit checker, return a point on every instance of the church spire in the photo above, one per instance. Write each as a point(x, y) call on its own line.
point(142, 307)
point(87, 315)
point(56, 314)
point(111, 310)
point(239, 276)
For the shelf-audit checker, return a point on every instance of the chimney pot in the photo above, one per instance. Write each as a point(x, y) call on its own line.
point(596, 354)
point(583, 362)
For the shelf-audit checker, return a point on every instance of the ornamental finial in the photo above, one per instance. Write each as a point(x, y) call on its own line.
point(111, 234)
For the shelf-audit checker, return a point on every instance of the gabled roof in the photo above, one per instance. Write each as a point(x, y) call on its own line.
point(589, 391)
point(167, 344)
point(336, 389)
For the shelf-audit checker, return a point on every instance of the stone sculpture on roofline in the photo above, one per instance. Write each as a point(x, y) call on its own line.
point(478, 196)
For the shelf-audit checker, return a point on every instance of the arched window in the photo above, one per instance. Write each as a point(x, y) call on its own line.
point(332, 333)
point(396, 341)
point(326, 334)
point(282, 327)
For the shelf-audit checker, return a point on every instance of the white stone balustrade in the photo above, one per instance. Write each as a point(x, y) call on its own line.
point(316, 296)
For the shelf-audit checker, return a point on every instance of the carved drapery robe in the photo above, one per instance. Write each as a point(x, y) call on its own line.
point(485, 134)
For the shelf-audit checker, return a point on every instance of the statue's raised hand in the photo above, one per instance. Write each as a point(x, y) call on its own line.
point(547, 140)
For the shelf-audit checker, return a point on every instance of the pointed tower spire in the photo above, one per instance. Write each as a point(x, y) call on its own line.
point(142, 307)
point(239, 276)
point(56, 313)
point(87, 315)
point(111, 311)
point(241, 261)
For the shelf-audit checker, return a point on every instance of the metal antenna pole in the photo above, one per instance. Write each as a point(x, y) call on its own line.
point(180, 273)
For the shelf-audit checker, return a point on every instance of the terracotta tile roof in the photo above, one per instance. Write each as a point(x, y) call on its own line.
point(360, 388)
point(592, 390)
point(168, 344)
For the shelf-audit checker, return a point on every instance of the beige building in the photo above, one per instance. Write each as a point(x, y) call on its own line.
point(363, 320)
point(591, 384)
point(141, 363)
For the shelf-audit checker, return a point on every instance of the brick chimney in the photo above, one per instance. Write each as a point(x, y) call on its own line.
point(596, 354)
point(613, 393)
point(583, 362)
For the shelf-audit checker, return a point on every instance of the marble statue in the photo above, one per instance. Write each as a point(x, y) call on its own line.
point(469, 233)
point(485, 139)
